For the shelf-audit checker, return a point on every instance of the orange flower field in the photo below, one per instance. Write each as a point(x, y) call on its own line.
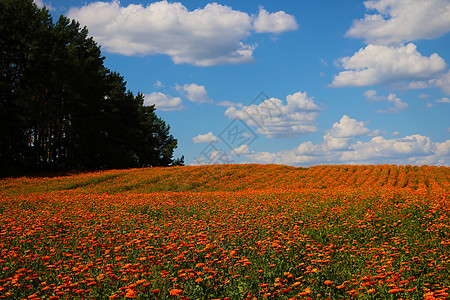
point(228, 232)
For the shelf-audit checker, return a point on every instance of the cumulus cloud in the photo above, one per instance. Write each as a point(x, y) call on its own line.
point(164, 102)
point(399, 21)
point(443, 149)
point(277, 22)
point(342, 133)
point(415, 149)
point(399, 105)
point(346, 142)
point(348, 127)
point(442, 82)
point(376, 64)
point(194, 92)
point(350, 149)
point(275, 119)
point(205, 138)
point(379, 147)
point(213, 35)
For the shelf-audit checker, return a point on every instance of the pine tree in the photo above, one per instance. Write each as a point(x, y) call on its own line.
point(61, 108)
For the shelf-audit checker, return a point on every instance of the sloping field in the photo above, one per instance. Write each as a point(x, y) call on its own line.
point(228, 232)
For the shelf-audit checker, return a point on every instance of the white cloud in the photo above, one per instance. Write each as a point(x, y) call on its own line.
point(277, 22)
point(277, 120)
point(41, 4)
point(158, 84)
point(205, 138)
point(379, 147)
point(219, 157)
point(414, 149)
point(348, 127)
point(243, 149)
point(417, 85)
point(164, 102)
point(342, 133)
point(443, 100)
point(207, 36)
point(399, 21)
point(194, 92)
point(442, 82)
point(262, 157)
point(216, 157)
point(377, 64)
point(443, 149)
point(229, 103)
point(398, 104)
point(198, 161)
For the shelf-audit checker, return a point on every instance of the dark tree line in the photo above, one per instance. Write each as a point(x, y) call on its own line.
point(61, 108)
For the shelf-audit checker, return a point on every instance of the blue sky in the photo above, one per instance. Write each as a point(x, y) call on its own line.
point(289, 82)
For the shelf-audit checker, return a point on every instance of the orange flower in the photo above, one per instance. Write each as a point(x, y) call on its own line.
point(328, 282)
point(130, 294)
point(174, 292)
point(305, 292)
point(393, 291)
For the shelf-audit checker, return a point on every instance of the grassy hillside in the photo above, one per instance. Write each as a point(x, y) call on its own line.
point(228, 232)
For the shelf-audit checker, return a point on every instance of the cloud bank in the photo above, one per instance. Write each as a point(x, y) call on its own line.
point(213, 35)
point(340, 146)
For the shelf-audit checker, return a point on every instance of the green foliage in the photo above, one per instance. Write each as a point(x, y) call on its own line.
point(61, 108)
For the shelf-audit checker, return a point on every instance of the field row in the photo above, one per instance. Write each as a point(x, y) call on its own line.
point(238, 178)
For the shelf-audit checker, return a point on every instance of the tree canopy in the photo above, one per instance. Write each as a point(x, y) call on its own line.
point(61, 108)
